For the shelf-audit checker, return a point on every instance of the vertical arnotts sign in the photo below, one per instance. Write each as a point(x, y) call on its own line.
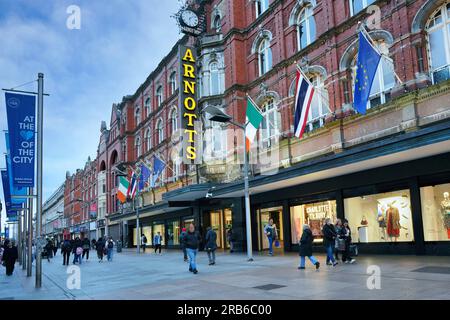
point(190, 122)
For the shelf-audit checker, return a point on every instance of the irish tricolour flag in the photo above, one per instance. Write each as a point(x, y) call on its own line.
point(254, 119)
point(123, 189)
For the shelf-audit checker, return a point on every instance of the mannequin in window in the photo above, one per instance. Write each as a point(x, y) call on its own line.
point(381, 219)
point(393, 222)
point(445, 208)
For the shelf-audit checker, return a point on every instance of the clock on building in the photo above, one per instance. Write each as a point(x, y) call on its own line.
point(189, 18)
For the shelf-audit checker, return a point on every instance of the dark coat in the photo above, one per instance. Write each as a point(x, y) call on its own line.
point(343, 235)
point(211, 240)
point(77, 244)
point(10, 255)
point(86, 243)
point(99, 246)
point(192, 240)
point(305, 249)
point(66, 246)
point(329, 235)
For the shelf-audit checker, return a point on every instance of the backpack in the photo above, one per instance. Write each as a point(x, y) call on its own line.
point(79, 250)
point(110, 245)
point(145, 239)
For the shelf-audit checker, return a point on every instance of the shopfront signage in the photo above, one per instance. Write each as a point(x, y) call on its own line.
point(189, 115)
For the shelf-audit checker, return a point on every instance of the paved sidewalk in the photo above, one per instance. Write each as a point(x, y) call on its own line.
point(150, 276)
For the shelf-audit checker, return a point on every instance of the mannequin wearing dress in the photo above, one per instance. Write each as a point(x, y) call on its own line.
point(445, 209)
point(393, 222)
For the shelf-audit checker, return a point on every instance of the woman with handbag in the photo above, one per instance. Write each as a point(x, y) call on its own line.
point(346, 235)
point(305, 248)
point(337, 227)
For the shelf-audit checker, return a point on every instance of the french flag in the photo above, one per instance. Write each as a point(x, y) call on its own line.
point(304, 92)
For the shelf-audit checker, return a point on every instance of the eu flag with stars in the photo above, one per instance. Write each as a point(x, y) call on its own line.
point(158, 168)
point(145, 176)
point(366, 68)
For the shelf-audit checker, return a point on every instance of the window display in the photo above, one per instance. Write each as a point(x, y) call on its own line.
point(436, 212)
point(313, 214)
point(173, 232)
point(147, 231)
point(383, 217)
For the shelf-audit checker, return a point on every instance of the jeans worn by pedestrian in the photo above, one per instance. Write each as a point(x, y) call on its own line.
point(270, 245)
point(211, 256)
point(311, 258)
point(77, 258)
point(330, 251)
point(110, 254)
point(192, 254)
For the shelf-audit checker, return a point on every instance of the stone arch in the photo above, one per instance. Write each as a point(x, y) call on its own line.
point(298, 7)
point(351, 50)
point(263, 34)
point(114, 158)
point(424, 13)
point(102, 166)
point(268, 94)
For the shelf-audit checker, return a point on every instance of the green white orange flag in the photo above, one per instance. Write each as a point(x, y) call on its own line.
point(254, 119)
point(123, 189)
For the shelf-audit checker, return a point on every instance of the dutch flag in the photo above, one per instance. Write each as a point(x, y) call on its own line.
point(304, 92)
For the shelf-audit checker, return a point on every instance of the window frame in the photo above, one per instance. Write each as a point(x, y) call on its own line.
point(159, 128)
point(264, 52)
point(306, 14)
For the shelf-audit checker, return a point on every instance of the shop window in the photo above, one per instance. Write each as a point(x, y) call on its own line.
point(383, 217)
point(438, 30)
point(436, 212)
point(173, 232)
point(147, 231)
point(159, 228)
point(314, 215)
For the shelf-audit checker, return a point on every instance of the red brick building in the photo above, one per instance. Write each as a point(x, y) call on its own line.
point(358, 167)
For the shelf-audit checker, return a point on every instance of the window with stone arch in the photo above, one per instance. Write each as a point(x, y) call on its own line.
point(306, 27)
point(137, 115)
point(264, 56)
point(137, 147)
point(270, 126)
point(147, 106)
point(438, 34)
point(173, 118)
point(173, 82)
point(358, 5)
point(215, 86)
point(384, 79)
point(159, 95)
point(148, 139)
point(159, 129)
point(217, 24)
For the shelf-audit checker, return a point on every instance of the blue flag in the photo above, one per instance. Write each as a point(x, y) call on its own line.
point(158, 168)
point(15, 191)
point(145, 176)
point(366, 68)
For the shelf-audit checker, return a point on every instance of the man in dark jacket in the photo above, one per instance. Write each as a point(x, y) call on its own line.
point(211, 245)
point(305, 249)
point(49, 249)
point(100, 247)
point(10, 255)
point(192, 241)
point(66, 249)
point(86, 248)
point(329, 241)
point(183, 247)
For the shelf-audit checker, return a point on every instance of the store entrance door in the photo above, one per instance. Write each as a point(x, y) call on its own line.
point(220, 221)
point(263, 217)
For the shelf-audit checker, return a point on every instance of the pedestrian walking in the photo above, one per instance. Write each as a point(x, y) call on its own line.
point(192, 241)
point(306, 242)
point(157, 242)
point(109, 248)
point(100, 247)
point(94, 244)
point(1, 254)
point(346, 235)
point(211, 245)
point(183, 247)
point(143, 242)
point(10, 255)
point(329, 241)
point(230, 239)
point(66, 249)
point(77, 250)
point(86, 248)
point(270, 230)
point(337, 227)
point(49, 249)
point(55, 247)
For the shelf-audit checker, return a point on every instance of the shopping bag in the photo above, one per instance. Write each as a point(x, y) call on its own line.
point(277, 244)
point(341, 244)
point(353, 250)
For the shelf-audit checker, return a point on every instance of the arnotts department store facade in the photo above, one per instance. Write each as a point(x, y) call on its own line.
point(387, 172)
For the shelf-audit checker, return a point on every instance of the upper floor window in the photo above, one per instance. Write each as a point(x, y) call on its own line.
point(159, 131)
point(261, 6)
point(147, 106)
point(438, 30)
point(357, 5)
point(270, 127)
point(217, 24)
point(148, 140)
point(214, 78)
point(137, 116)
point(306, 28)
point(159, 96)
point(383, 81)
point(173, 82)
point(319, 103)
point(173, 120)
point(264, 56)
point(137, 146)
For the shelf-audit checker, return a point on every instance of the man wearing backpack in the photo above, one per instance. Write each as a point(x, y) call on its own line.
point(66, 249)
point(157, 242)
point(109, 248)
point(143, 242)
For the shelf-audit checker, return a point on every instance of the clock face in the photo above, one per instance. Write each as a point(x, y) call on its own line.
point(189, 18)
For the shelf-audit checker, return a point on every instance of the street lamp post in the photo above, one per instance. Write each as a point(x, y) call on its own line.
point(218, 116)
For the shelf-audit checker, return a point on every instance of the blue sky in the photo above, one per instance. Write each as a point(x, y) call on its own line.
point(120, 42)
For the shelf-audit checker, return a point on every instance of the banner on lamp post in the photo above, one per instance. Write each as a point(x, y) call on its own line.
point(20, 110)
point(14, 191)
point(11, 208)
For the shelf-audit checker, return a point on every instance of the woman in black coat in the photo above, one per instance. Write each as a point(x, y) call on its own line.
point(10, 256)
point(305, 248)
